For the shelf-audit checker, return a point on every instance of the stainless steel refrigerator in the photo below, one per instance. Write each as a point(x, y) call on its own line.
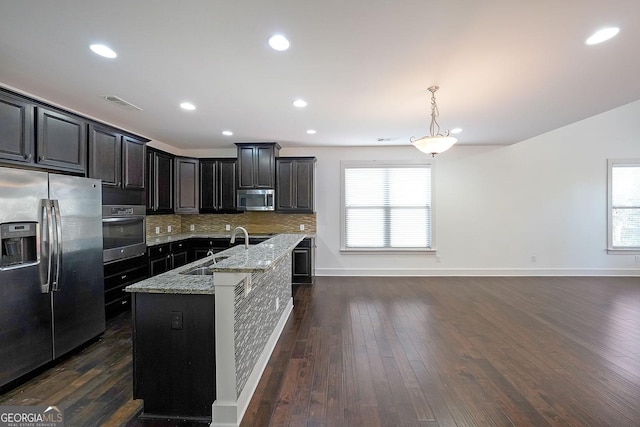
point(51, 272)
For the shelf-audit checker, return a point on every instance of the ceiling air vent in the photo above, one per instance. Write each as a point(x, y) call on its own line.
point(116, 100)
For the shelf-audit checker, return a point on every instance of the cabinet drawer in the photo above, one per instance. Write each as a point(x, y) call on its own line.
point(178, 246)
point(117, 267)
point(125, 277)
point(156, 251)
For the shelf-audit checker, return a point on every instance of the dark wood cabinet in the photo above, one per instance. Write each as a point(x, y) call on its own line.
point(294, 184)
point(218, 185)
point(133, 163)
point(303, 262)
point(168, 256)
point(186, 185)
point(159, 182)
point(200, 247)
point(61, 141)
point(257, 165)
point(105, 155)
point(16, 129)
point(117, 276)
point(174, 364)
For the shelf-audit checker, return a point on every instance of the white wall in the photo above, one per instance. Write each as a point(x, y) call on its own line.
point(497, 207)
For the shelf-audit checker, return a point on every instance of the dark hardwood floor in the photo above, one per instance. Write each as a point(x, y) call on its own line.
point(452, 351)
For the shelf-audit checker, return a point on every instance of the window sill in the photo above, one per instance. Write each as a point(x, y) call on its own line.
point(387, 251)
point(618, 251)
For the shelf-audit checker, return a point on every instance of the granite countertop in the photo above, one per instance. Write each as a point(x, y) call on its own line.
point(258, 258)
point(160, 240)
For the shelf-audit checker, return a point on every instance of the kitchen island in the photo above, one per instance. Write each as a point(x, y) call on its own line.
point(203, 333)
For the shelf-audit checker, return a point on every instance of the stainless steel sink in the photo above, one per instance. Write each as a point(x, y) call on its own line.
point(204, 270)
point(199, 271)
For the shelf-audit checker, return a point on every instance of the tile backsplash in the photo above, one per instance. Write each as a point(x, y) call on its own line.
point(254, 222)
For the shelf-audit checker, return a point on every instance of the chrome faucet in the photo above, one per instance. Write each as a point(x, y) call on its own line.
point(246, 236)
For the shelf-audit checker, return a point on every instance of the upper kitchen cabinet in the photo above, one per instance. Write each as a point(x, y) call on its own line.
point(159, 181)
point(61, 141)
point(16, 125)
point(116, 158)
point(294, 184)
point(218, 185)
point(257, 164)
point(186, 185)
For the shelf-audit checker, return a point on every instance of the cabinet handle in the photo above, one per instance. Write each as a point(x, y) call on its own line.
point(124, 303)
point(41, 158)
point(27, 156)
point(124, 276)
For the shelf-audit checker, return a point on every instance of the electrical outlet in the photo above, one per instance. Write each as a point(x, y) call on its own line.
point(157, 230)
point(168, 229)
point(277, 304)
point(533, 258)
point(438, 259)
point(176, 320)
point(637, 258)
point(247, 285)
point(227, 227)
point(301, 227)
point(192, 227)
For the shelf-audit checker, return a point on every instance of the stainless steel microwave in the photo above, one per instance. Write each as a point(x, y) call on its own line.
point(256, 200)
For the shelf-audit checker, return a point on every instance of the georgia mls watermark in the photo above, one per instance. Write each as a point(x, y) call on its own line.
point(31, 416)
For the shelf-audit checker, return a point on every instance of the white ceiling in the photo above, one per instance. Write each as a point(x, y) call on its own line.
point(508, 70)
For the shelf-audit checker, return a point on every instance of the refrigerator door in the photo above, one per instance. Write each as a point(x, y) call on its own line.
point(25, 312)
point(78, 292)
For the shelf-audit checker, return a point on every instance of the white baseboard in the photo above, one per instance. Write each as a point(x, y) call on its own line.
point(434, 272)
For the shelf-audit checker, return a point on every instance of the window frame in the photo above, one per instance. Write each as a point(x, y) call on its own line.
point(346, 164)
point(611, 163)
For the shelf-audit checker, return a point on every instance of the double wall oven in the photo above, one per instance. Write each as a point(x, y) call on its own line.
point(123, 231)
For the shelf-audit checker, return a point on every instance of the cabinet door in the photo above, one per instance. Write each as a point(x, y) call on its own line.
point(186, 185)
point(265, 166)
point(105, 155)
point(16, 124)
point(301, 265)
point(61, 141)
point(208, 202)
point(163, 179)
point(179, 259)
point(150, 180)
point(133, 162)
point(159, 265)
point(285, 185)
point(303, 175)
point(226, 195)
point(246, 167)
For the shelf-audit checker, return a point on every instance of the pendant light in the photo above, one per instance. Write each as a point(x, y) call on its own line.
point(436, 142)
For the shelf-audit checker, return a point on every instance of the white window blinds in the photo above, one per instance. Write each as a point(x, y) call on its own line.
point(625, 206)
point(387, 207)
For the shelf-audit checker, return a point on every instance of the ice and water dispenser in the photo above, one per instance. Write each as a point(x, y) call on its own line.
point(18, 244)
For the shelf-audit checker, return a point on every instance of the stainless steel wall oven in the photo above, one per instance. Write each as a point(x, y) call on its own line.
point(123, 231)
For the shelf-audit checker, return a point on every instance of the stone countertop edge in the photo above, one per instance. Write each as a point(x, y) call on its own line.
point(171, 238)
point(258, 258)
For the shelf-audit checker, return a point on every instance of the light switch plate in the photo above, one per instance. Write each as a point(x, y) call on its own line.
point(227, 227)
point(192, 227)
point(168, 229)
point(301, 227)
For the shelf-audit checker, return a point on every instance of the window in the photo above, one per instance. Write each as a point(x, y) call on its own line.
point(624, 205)
point(386, 206)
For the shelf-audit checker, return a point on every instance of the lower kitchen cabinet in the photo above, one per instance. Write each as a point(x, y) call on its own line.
point(167, 256)
point(199, 247)
point(174, 366)
point(303, 262)
point(117, 276)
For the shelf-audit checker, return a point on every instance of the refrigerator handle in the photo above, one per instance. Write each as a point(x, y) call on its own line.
point(46, 218)
point(58, 245)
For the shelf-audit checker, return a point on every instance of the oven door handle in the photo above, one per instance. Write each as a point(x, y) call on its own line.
point(124, 220)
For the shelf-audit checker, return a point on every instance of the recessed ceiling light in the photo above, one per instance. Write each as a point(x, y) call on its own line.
point(278, 42)
point(227, 133)
point(311, 131)
point(300, 103)
point(602, 35)
point(103, 50)
point(187, 106)
point(455, 130)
